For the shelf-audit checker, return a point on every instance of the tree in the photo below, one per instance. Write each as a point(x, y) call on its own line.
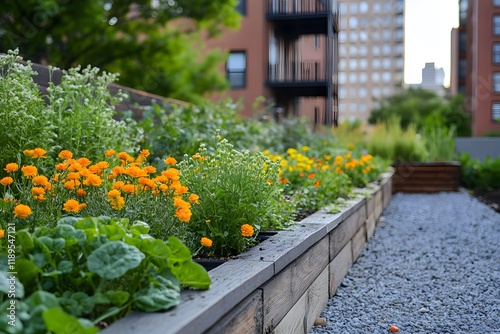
point(424, 108)
point(155, 45)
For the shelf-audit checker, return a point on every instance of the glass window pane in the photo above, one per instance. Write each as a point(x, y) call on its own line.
point(236, 61)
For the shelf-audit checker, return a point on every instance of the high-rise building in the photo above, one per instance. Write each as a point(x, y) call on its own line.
point(287, 52)
point(371, 54)
point(476, 62)
point(432, 79)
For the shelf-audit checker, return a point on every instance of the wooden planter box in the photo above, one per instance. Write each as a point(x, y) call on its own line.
point(426, 177)
point(282, 284)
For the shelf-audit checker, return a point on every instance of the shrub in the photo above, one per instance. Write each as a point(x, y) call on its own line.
point(239, 195)
point(480, 175)
point(93, 271)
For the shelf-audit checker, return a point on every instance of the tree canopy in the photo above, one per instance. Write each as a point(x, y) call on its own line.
point(424, 108)
point(155, 45)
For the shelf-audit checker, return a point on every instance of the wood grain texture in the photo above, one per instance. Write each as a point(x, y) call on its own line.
point(339, 267)
point(285, 289)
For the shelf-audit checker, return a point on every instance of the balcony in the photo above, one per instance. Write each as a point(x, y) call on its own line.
point(302, 16)
point(305, 78)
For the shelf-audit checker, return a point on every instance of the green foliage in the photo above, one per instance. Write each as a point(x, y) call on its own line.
point(418, 107)
point(480, 175)
point(439, 142)
point(155, 44)
point(391, 142)
point(236, 188)
point(24, 122)
point(83, 272)
point(78, 115)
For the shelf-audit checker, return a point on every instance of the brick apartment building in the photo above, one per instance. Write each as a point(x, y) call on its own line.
point(286, 51)
point(476, 62)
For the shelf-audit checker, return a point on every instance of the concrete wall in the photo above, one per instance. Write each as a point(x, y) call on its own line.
point(479, 147)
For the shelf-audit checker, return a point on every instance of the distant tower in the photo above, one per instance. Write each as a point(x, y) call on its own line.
point(432, 76)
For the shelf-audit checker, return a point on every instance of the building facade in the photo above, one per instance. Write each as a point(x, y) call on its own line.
point(476, 62)
point(371, 47)
point(287, 52)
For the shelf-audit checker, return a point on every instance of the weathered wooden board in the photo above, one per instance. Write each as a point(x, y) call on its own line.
point(339, 267)
point(426, 177)
point(301, 317)
point(285, 289)
point(358, 242)
point(246, 318)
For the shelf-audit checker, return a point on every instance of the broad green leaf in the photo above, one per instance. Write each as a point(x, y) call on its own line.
point(41, 254)
point(155, 248)
point(9, 284)
point(60, 322)
point(42, 298)
point(53, 244)
point(114, 259)
point(27, 271)
point(87, 223)
point(156, 298)
point(79, 303)
point(100, 298)
point(118, 298)
point(70, 234)
point(113, 232)
point(142, 227)
point(65, 266)
point(180, 252)
point(23, 239)
point(68, 221)
point(192, 274)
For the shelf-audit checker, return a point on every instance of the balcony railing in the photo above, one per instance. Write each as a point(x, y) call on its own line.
point(304, 71)
point(281, 7)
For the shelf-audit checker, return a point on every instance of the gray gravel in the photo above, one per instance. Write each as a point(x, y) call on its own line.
point(433, 266)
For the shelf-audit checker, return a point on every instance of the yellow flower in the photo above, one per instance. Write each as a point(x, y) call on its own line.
point(171, 173)
point(81, 193)
point(150, 169)
point(65, 154)
point(40, 180)
point(71, 185)
point(62, 167)
point(305, 148)
point(183, 214)
point(22, 211)
point(29, 171)
point(73, 176)
point(12, 167)
point(118, 185)
point(135, 172)
point(246, 230)
point(109, 153)
point(2, 234)
point(205, 242)
point(6, 181)
point(128, 188)
point(93, 180)
point(170, 161)
point(118, 203)
point(145, 153)
point(71, 205)
point(113, 193)
point(36, 153)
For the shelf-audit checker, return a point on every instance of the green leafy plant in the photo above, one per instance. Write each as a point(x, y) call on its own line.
point(87, 272)
point(439, 142)
point(240, 194)
point(476, 174)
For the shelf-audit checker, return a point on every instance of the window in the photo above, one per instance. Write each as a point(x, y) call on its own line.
point(363, 64)
point(353, 22)
point(496, 82)
point(386, 49)
point(236, 69)
point(353, 64)
point(386, 63)
point(376, 63)
point(495, 112)
point(241, 7)
point(354, 8)
point(496, 3)
point(496, 53)
point(386, 77)
point(375, 77)
point(496, 25)
point(462, 68)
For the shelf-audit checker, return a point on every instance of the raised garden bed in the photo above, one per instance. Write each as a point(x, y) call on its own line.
point(426, 177)
point(282, 284)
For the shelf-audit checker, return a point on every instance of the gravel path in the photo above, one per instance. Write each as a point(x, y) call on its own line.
point(433, 266)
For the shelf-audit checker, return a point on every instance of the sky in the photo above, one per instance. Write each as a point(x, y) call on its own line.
point(428, 25)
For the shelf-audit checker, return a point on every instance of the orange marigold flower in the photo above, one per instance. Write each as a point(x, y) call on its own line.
point(206, 242)
point(170, 161)
point(2, 233)
point(171, 173)
point(317, 184)
point(71, 185)
point(40, 180)
point(28, 153)
point(147, 182)
point(62, 166)
point(150, 169)
point(71, 205)
point(247, 230)
point(40, 198)
point(75, 166)
point(65, 154)
point(113, 193)
point(183, 214)
point(22, 211)
point(29, 171)
point(128, 188)
point(179, 203)
point(302, 174)
point(84, 162)
point(179, 189)
point(6, 181)
point(135, 172)
point(193, 198)
point(118, 170)
point(39, 153)
point(93, 180)
point(82, 206)
point(125, 157)
point(109, 153)
point(311, 176)
point(118, 185)
point(103, 164)
point(145, 153)
point(163, 187)
point(37, 191)
point(73, 176)
point(118, 203)
point(81, 193)
point(12, 167)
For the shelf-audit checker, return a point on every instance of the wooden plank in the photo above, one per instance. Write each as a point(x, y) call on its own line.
point(342, 234)
point(302, 315)
point(339, 267)
point(370, 226)
point(286, 288)
point(200, 310)
point(378, 204)
point(358, 242)
point(246, 318)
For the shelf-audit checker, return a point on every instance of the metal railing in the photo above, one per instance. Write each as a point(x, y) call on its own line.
point(304, 71)
point(278, 7)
